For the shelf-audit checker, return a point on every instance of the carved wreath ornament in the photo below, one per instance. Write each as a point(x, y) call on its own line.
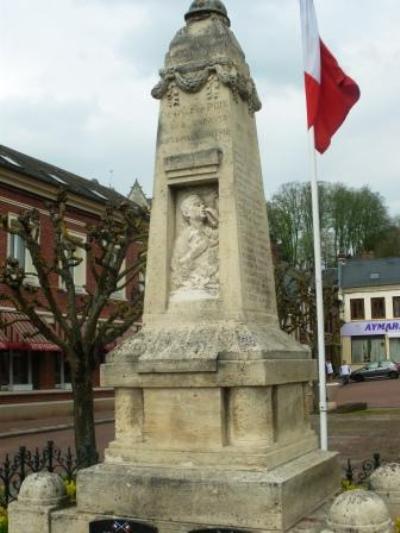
point(192, 79)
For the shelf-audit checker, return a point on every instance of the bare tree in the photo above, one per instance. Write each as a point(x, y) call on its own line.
point(92, 318)
point(295, 290)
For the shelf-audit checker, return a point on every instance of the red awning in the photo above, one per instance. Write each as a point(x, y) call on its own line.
point(21, 335)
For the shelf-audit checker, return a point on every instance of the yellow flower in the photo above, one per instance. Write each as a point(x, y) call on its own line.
point(3, 520)
point(70, 488)
point(347, 485)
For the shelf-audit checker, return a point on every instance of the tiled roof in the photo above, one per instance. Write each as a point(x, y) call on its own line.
point(370, 272)
point(46, 173)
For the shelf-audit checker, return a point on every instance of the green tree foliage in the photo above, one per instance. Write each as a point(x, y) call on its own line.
point(353, 222)
point(90, 319)
point(389, 244)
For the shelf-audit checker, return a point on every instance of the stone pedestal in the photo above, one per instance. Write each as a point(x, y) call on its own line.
point(251, 499)
point(212, 426)
point(40, 495)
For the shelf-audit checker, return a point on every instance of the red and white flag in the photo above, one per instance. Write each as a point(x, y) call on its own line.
point(330, 92)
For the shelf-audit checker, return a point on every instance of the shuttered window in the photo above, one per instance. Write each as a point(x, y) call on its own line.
point(357, 309)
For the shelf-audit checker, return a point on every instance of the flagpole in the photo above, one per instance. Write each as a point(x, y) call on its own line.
point(323, 417)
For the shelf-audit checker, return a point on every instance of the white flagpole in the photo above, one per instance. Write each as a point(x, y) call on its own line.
point(319, 295)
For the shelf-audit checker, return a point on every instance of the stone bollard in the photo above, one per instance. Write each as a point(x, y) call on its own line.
point(359, 511)
point(40, 494)
point(385, 481)
point(332, 390)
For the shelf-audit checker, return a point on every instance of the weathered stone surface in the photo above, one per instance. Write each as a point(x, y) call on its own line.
point(256, 373)
point(385, 481)
point(359, 511)
point(207, 139)
point(184, 419)
point(260, 500)
point(40, 494)
point(222, 62)
point(21, 518)
point(189, 347)
point(44, 488)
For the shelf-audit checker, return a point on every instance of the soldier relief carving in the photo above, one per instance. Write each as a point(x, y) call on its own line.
point(195, 262)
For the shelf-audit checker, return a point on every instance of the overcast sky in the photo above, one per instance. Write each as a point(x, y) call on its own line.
point(76, 77)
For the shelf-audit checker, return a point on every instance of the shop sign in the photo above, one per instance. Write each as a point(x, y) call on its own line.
point(391, 328)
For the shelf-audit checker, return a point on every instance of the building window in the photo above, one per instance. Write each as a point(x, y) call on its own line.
point(378, 308)
point(120, 294)
point(357, 309)
point(367, 349)
point(396, 306)
point(16, 370)
point(79, 271)
point(17, 250)
point(63, 372)
point(16, 244)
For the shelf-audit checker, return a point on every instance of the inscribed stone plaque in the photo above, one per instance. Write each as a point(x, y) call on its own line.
point(120, 526)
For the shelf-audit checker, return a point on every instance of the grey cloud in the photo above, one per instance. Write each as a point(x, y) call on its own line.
point(81, 100)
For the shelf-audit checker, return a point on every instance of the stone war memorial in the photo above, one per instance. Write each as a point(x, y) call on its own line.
point(212, 425)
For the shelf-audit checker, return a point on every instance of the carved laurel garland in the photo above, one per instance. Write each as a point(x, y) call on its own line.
point(193, 78)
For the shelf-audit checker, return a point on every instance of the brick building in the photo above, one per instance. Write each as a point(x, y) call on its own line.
point(30, 364)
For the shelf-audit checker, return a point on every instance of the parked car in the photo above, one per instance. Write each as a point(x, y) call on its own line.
point(381, 369)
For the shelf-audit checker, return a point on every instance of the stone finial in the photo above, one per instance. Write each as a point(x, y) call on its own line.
point(359, 511)
point(203, 7)
point(385, 481)
point(43, 489)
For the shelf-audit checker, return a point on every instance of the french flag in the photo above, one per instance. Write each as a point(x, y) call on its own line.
point(330, 92)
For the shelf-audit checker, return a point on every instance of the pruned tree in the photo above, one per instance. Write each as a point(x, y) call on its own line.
point(296, 300)
point(91, 318)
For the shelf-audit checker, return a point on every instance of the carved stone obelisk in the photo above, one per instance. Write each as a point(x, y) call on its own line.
point(212, 428)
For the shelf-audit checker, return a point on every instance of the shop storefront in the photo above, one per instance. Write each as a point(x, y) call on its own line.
point(27, 360)
point(371, 340)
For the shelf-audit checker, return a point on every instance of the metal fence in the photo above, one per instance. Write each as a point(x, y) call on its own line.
point(14, 470)
point(359, 475)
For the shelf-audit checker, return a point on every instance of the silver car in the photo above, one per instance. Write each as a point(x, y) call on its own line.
point(381, 369)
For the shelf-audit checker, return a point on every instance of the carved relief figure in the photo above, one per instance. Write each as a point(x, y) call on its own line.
point(195, 265)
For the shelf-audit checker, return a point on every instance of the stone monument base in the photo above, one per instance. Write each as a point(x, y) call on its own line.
point(183, 500)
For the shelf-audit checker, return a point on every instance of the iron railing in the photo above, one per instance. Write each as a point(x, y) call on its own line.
point(359, 475)
point(14, 470)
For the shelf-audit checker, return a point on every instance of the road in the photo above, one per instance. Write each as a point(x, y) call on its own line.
point(378, 393)
point(62, 439)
